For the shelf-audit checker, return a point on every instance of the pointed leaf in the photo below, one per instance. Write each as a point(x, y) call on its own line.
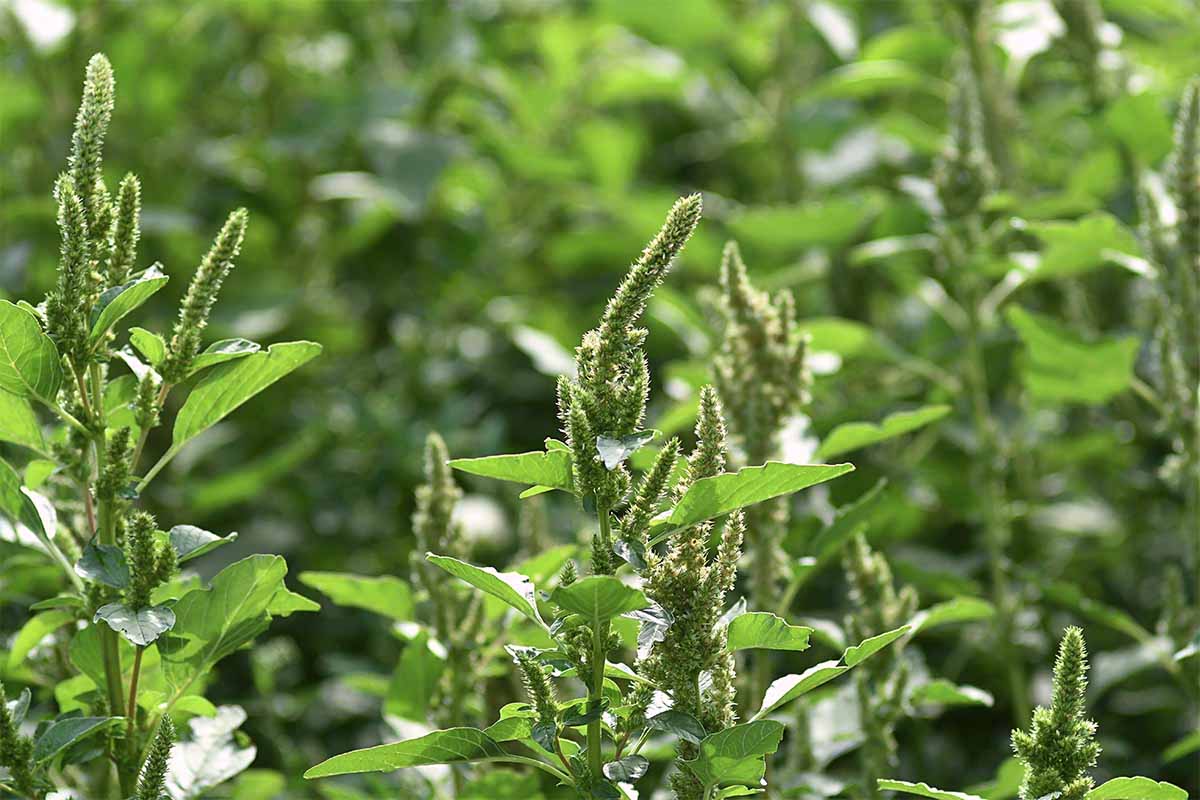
point(923, 790)
point(222, 351)
point(550, 468)
point(415, 680)
point(139, 627)
point(451, 746)
point(227, 386)
point(628, 770)
point(17, 504)
point(29, 362)
point(19, 424)
point(384, 595)
point(958, 609)
point(762, 630)
point(1059, 366)
point(213, 755)
point(736, 756)
point(946, 693)
point(1136, 789)
point(38, 627)
point(104, 563)
point(63, 733)
point(117, 302)
point(853, 435)
point(860, 652)
point(512, 587)
point(190, 542)
point(678, 723)
point(152, 346)
point(598, 598)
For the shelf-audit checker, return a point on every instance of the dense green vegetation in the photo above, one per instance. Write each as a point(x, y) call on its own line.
point(949, 249)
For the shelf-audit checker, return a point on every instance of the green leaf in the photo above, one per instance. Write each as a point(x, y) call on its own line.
point(720, 494)
point(598, 598)
point(958, 609)
point(1185, 746)
point(29, 362)
point(759, 629)
point(787, 229)
point(190, 542)
point(387, 596)
point(451, 746)
point(678, 723)
point(1072, 597)
point(58, 601)
point(62, 733)
point(286, 602)
point(1139, 121)
point(550, 468)
point(737, 755)
point(38, 627)
point(1058, 366)
point(19, 424)
point(415, 679)
point(923, 790)
point(854, 435)
point(1073, 248)
point(614, 451)
point(139, 627)
point(1138, 788)
point(16, 503)
point(855, 655)
point(152, 346)
point(946, 693)
point(222, 351)
point(512, 587)
point(214, 754)
point(627, 770)
point(117, 302)
point(104, 563)
point(229, 385)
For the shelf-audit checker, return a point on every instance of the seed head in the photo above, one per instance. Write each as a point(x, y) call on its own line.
point(152, 785)
point(87, 142)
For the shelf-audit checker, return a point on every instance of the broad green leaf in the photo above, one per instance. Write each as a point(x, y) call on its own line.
point(549, 468)
point(679, 724)
point(227, 386)
point(38, 627)
point(958, 609)
point(17, 504)
point(598, 598)
point(854, 435)
point(1138, 788)
point(786, 229)
point(759, 629)
point(451, 746)
point(222, 351)
point(117, 302)
point(149, 344)
point(387, 596)
point(104, 563)
point(1005, 785)
point(64, 732)
point(923, 790)
point(139, 627)
point(944, 692)
point(286, 602)
point(1140, 122)
point(415, 679)
point(38, 470)
point(1059, 366)
point(29, 362)
point(1081, 245)
point(846, 337)
point(512, 587)
point(614, 451)
point(19, 423)
point(627, 770)
point(720, 494)
point(737, 755)
point(190, 542)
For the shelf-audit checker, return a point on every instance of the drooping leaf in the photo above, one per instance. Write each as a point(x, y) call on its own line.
point(29, 361)
point(227, 386)
point(16, 503)
point(450, 746)
point(36, 628)
point(549, 468)
point(711, 497)
point(152, 346)
point(1058, 366)
point(190, 542)
point(737, 755)
point(17, 709)
point(115, 303)
point(626, 770)
point(1138, 788)
point(384, 595)
point(614, 451)
point(512, 587)
point(598, 598)
point(853, 435)
point(62, 733)
point(958, 609)
point(923, 790)
point(762, 630)
point(140, 627)
point(104, 563)
point(222, 351)
point(678, 723)
point(946, 693)
point(18, 422)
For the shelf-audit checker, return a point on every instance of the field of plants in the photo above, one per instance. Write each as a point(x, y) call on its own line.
point(540, 400)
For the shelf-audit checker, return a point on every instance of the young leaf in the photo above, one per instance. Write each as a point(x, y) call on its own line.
point(923, 790)
point(1061, 367)
point(38, 627)
point(152, 346)
point(286, 602)
point(598, 598)
point(855, 655)
point(19, 424)
point(140, 627)
point(614, 451)
point(720, 494)
point(229, 385)
point(119, 301)
point(17, 503)
point(762, 630)
point(29, 362)
point(450, 746)
point(854, 435)
point(1136, 789)
point(512, 587)
point(190, 542)
point(943, 692)
point(387, 596)
point(736, 756)
point(104, 563)
point(550, 468)
point(958, 609)
point(63, 733)
point(222, 351)
point(415, 680)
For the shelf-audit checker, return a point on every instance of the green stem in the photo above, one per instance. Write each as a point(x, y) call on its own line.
point(599, 654)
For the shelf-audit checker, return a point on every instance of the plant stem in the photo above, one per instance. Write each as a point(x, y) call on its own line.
point(599, 654)
point(131, 714)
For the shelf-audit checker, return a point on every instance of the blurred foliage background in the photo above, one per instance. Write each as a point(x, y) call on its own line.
point(444, 193)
